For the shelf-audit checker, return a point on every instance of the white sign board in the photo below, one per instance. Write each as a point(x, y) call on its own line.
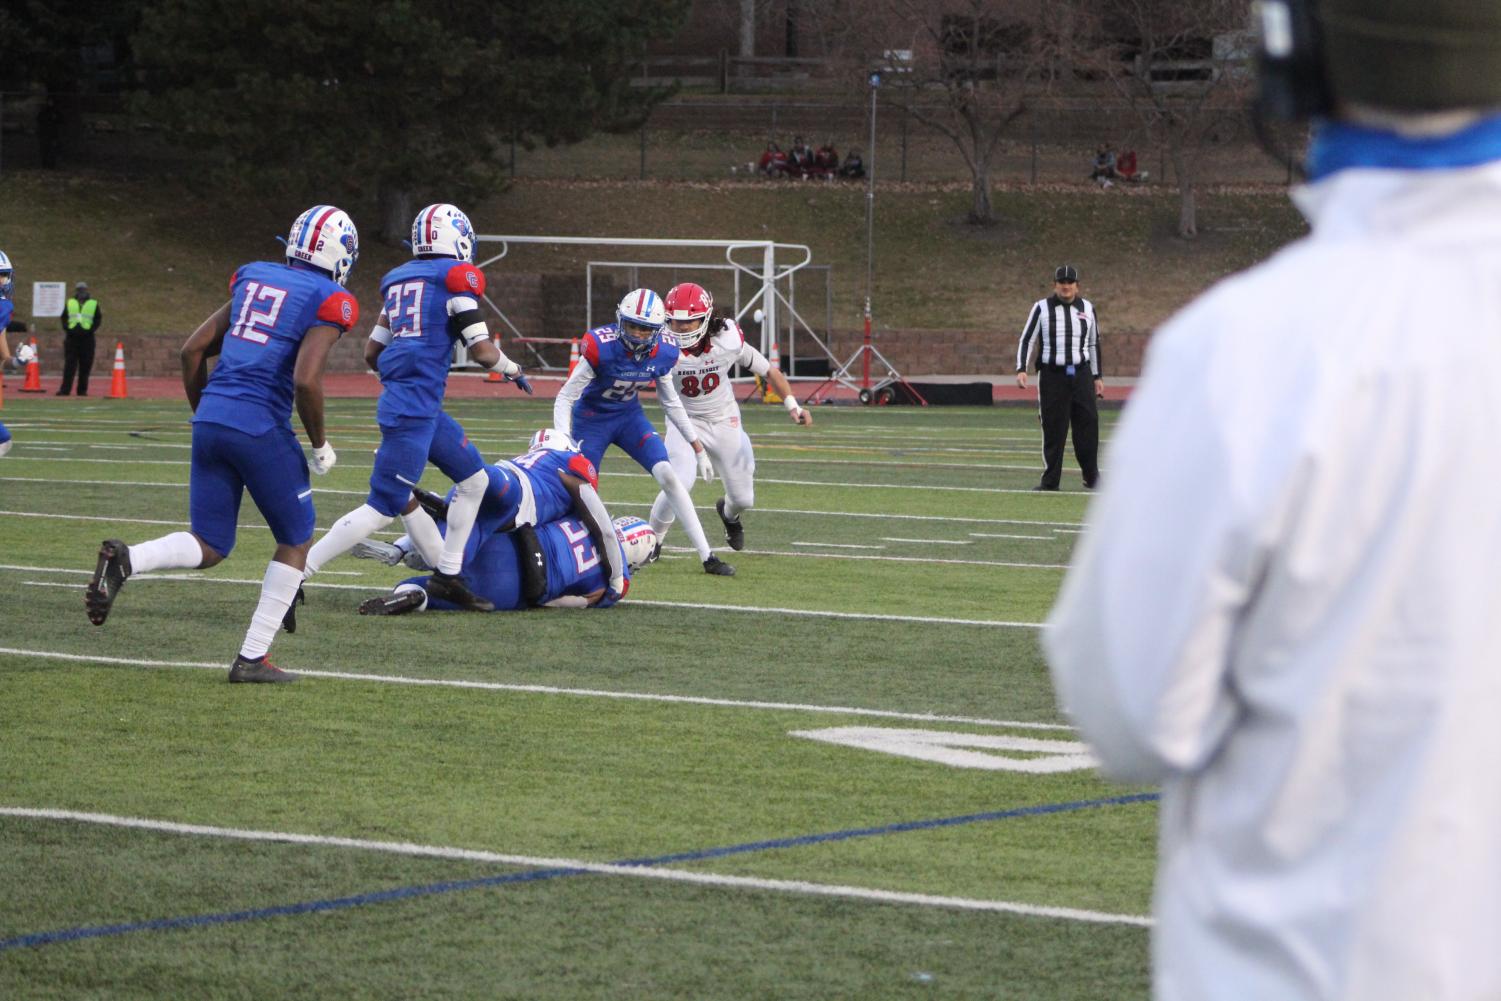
point(48, 298)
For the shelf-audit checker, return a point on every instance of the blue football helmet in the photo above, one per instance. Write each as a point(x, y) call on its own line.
point(325, 237)
point(639, 319)
point(443, 230)
point(6, 284)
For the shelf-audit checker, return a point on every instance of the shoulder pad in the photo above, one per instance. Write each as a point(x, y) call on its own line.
point(235, 278)
point(590, 349)
point(465, 278)
point(580, 466)
point(341, 310)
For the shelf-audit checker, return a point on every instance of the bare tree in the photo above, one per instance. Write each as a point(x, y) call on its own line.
point(965, 68)
point(1183, 69)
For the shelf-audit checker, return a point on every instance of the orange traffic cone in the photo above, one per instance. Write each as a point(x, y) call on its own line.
point(494, 376)
point(770, 395)
point(33, 383)
point(117, 379)
point(573, 355)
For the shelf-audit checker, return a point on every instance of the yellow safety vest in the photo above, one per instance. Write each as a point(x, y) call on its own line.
point(82, 317)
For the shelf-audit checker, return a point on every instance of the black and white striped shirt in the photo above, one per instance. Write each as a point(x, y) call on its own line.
point(1067, 334)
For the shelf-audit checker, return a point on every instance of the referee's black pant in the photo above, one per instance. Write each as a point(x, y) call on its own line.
point(1065, 401)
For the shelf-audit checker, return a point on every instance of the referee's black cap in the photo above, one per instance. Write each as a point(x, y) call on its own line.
point(1066, 273)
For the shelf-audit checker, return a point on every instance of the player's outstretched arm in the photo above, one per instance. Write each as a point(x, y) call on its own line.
point(307, 384)
point(591, 511)
point(573, 388)
point(204, 344)
point(760, 365)
point(380, 336)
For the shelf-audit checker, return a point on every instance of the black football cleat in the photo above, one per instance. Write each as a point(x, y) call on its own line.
point(289, 621)
point(431, 503)
point(1044, 488)
point(452, 589)
point(734, 532)
point(718, 567)
point(656, 553)
point(260, 671)
point(397, 603)
point(109, 576)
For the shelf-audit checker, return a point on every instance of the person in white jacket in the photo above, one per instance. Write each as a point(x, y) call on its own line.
point(1286, 607)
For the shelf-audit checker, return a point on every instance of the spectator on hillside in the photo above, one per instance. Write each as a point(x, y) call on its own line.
point(853, 167)
point(1104, 170)
point(801, 158)
point(826, 160)
point(773, 162)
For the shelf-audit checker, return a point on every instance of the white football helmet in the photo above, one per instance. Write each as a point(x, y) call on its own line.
point(554, 439)
point(639, 319)
point(325, 237)
point(443, 230)
point(6, 285)
point(637, 540)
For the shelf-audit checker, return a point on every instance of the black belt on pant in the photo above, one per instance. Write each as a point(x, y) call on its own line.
point(1082, 366)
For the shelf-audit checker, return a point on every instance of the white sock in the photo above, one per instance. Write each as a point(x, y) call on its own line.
point(423, 536)
point(683, 505)
point(732, 510)
point(356, 526)
point(5, 445)
point(277, 591)
point(462, 511)
point(178, 551)
point(661, 517)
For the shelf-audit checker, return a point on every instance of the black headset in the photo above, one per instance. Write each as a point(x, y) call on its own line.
point(1293, 84)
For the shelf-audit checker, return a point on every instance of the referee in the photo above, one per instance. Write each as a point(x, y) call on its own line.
point(1064, 328)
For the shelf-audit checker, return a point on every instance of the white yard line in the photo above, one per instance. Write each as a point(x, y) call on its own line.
point(930, 542)
point(750, 609)
point(591, 693)
point(604, 869)
point(836, 545)
point(995, 535)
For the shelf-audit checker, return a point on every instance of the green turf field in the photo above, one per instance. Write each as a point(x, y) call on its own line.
point(640, 802)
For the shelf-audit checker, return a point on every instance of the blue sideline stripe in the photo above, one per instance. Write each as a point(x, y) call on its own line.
point(454, 886)
point(910, 825)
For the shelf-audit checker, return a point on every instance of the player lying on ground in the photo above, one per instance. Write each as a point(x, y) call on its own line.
point(557, 565)
point(272, 339)
point(711, 344)
point(598, 405)
point(430, 303)
point(550, 481)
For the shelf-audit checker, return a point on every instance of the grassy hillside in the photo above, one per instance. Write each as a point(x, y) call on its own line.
point(158, 252)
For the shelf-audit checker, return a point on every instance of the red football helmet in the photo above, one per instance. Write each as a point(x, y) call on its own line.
point(690, 302)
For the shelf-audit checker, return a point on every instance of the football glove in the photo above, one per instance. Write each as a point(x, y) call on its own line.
point(705, 466)
point(617, 590)
point(520, 380)
point(323, 458)
point(25, 354)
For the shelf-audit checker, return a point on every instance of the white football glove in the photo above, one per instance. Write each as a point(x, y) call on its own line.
point(25, 354)
point(324, 458)
point(705, 466)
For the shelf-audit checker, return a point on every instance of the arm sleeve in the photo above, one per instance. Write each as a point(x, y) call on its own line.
point(597, 520)
point(672, 405)
point(568, 395)
point(1025, 347)
point(1140, 638)
point(754, 360)
point(1096, 363)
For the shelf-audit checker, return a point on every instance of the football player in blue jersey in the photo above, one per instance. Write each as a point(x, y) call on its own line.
point(272, 339)
point(598, 405)
point(25, 353)
point(430, 302)
point(558, 565)
point(550, 481)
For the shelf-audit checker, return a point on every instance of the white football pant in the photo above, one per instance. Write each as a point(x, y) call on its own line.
point(729, 448)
